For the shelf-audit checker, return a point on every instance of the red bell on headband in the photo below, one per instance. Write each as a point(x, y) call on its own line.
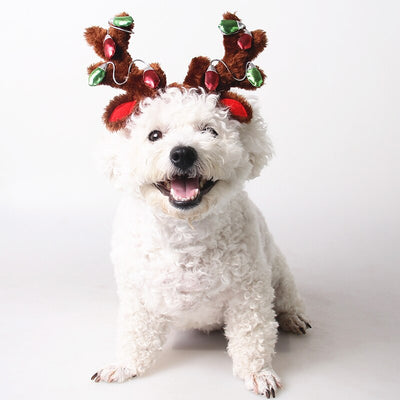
point(150, 78)
point(211, 79)
point(245, 40)
point(108, 47)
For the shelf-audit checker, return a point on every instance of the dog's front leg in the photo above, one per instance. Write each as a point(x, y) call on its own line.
point(141, 335)
point(252, 331)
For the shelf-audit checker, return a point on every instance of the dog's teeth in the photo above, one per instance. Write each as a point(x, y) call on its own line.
point(177, 197)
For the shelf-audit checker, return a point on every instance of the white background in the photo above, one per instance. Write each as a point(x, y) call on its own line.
point(330, 196)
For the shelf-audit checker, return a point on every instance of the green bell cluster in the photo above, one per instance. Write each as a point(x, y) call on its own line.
point(97, 75)
point(122, 22)
point(254, 76)
point(230, 26)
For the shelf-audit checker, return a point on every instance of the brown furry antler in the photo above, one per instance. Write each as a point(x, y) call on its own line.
point(234, 64)
point(235, 58)
point(121, 73)
point(118, 70)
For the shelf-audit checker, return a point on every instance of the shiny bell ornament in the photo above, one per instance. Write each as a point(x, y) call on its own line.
point(211, 78)
point(150, 78)
point(122, 22)
point(254, 75)
point(97, 75)
point(245, 40)
point(108, 47)
point(230, 26)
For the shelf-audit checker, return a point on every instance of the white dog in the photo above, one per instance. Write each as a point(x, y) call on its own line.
point(190, 250)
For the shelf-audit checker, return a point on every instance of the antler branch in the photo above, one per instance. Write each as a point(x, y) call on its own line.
point(95, 36)
point(237, 59)
point(121, 72)
point(234, 64)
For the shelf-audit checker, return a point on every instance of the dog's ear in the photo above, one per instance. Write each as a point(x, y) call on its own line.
point(238, 106)
point(255, 140)
point(111, 156)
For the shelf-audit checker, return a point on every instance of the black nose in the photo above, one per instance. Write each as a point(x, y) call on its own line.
point(183, 157)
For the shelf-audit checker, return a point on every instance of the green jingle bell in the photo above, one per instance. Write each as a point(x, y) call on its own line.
point(97, 75)
point(122, 22)
point(230, 26)
point(254, 75)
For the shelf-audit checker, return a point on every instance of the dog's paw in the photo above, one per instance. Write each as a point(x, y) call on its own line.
point(113, 373)
point(296, 323)
point(266, 382)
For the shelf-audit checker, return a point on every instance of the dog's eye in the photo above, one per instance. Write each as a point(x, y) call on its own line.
point(155, 135)
point(209, 129)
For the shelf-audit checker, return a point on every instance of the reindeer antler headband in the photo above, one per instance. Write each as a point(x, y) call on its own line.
point(118, 69)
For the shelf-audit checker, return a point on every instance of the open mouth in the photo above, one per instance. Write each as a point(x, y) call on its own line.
point(185, 192)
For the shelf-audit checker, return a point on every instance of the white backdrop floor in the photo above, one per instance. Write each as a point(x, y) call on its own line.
point(58, 308)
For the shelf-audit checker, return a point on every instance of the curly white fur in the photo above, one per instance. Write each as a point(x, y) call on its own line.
point(208, 267)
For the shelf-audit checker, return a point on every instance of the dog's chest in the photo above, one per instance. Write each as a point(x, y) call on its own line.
point(180, 279)
point(175, 267)
point(190, 268)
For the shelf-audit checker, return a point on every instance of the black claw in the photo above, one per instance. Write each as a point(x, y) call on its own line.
point(308, 325)
point(267, 394)
point(94, 376)
point(303, 331)
point(273, 392)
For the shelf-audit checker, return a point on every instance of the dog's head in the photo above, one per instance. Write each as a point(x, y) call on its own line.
point(184, 154)
point(185, 149)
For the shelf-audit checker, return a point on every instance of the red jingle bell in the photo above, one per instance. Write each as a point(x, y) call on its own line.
point(211, 79)
point(108, 46)
point(150, 78)
point(245, 40)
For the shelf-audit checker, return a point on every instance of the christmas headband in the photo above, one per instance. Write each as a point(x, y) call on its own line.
point(118, 69)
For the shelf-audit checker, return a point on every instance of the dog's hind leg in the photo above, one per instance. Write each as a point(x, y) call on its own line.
point(288, 306)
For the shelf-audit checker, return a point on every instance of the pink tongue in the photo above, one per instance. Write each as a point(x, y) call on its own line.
point(185, 187)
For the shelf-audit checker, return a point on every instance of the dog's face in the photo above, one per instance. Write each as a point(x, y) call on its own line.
point(183, 154)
